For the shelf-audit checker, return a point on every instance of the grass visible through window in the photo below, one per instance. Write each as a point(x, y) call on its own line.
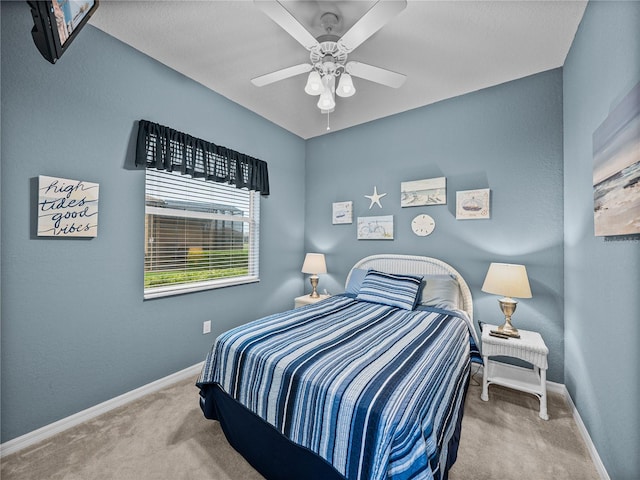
point(200, 266)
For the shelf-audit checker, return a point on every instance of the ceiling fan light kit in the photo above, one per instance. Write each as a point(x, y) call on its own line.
point(327, 100)
point(314, 84)
point(328, 53)
point(345, 86)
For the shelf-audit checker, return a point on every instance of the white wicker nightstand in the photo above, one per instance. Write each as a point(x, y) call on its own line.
point(531, 348)
point(307, 300)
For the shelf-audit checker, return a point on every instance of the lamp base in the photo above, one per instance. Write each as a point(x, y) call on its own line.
point(314, 285)
point(504, 331)
point(508, 307)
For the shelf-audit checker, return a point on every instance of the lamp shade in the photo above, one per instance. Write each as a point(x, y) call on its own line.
point(508, 280)
point(326, 101)
point(345, 86)
point(314, 84)
point(314, 263)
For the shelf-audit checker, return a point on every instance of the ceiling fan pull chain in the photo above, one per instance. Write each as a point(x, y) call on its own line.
point(328, 127)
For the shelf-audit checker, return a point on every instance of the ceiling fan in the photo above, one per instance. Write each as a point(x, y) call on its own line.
point(328, 53)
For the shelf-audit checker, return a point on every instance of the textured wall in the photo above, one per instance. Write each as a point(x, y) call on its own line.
point(75, 329)
point(602, 276)
point(507, 138)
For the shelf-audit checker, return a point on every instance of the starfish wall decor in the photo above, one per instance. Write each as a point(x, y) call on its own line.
point(375, 198)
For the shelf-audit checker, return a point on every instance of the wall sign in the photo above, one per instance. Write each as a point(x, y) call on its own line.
point(67, 208)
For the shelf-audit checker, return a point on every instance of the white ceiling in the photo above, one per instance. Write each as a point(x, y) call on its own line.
point(446, 48)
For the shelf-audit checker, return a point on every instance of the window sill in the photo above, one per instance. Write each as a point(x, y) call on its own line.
point(160, 292)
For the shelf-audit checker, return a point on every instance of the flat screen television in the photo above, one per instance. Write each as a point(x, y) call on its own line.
point(56, 23)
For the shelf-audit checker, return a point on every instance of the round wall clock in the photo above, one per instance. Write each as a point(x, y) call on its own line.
point(423, 225)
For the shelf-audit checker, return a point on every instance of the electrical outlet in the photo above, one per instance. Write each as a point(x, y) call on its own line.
point(206, 327)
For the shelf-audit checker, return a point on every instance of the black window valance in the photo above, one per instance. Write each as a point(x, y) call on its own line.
point(164, 148)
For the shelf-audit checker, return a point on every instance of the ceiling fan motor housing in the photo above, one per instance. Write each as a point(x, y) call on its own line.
point(327, 58)
point(329, 21)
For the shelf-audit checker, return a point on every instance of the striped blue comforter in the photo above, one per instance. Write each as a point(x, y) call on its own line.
point(373, 389)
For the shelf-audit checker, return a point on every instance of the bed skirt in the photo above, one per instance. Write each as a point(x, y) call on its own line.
point(272, 454)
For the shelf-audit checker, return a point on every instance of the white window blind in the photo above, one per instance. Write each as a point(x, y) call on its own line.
point(198, 234)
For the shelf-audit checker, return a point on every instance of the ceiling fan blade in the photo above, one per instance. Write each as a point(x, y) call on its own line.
point(372, 21)
point(282, 17)
point(278, 75)
point(376, 74)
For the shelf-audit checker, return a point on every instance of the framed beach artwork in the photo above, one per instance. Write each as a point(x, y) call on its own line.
point(473, 204)
point(342, 213)
point(616, 169)
point(431, 191)
point(375, 228)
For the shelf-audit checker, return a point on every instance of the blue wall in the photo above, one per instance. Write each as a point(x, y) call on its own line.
point(75, 328)
point(507, 138)
point(602, 276)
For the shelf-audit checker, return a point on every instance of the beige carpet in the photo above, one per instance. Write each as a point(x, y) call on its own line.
point(164, 436)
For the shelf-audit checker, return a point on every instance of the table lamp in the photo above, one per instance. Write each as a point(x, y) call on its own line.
point(508, 280)
point(314, 264)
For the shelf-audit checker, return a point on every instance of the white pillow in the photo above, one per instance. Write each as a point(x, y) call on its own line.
point(355, 280)
point(441, 290)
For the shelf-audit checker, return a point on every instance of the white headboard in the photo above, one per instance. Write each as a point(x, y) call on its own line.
point(416, 265)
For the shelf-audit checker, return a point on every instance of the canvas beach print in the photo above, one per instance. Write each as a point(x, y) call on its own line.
point(375, 228)
point(616, 169)
point(431, 191)
point(472, 204)
point(342, 213)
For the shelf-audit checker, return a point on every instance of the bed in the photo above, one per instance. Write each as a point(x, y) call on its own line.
point(365, 385)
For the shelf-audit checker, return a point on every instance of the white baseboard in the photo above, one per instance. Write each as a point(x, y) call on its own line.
point(597, 461)
point(560, 388)
point(48, 431)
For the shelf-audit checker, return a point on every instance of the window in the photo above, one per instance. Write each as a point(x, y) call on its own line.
point(202, 212)
point(198, 234)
